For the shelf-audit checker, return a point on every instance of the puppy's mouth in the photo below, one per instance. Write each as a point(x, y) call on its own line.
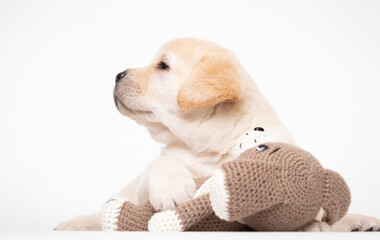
point(121, 106)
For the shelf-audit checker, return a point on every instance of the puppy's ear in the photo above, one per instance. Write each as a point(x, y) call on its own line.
point(213, 80)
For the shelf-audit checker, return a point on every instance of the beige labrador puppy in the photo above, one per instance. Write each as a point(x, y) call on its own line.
point(196, 98)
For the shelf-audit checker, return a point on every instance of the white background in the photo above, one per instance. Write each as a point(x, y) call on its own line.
point(64, 148)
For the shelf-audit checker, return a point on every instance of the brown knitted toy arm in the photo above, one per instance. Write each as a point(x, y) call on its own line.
point(182, 218)
point(121, 215)
point(244, 187)
point(190, 214)
point(195, 215)
point(337, 197)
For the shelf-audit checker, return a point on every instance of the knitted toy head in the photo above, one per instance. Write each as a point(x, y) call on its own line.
point(277, 186)
point(271, 187)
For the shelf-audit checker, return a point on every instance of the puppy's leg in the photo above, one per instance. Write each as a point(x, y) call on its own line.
point(82, 223)
point(94, 222)
point(169, 183)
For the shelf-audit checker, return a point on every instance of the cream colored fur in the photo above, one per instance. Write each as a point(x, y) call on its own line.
point(197, 108)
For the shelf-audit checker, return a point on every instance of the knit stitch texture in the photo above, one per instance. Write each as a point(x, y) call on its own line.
point(272, 187)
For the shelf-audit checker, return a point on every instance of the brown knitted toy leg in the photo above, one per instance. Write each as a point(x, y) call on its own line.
point(134, 218)
point(181, 218)
point(242, 188)
point(195, 215)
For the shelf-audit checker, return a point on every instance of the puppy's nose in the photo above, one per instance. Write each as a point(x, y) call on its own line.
point(120, 76)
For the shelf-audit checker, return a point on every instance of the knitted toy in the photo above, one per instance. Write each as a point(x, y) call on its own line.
point(271, 187)
point(121, 215)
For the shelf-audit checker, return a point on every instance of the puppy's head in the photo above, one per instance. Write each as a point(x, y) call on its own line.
point(186, 80)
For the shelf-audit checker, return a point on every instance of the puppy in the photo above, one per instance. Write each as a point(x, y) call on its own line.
point(196, 99)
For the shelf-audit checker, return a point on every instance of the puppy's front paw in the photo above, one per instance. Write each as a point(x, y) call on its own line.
point(172, 192)
point(356, 223)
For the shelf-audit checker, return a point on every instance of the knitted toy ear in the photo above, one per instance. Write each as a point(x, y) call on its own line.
point(337, 197)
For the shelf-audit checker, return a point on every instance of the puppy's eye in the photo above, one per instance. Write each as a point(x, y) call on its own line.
point(163, 66)
point(261, 147)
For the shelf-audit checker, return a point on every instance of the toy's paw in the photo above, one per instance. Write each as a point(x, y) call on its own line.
point(170, 193)
point(316, 226)
point(357, 223)
point(166, 221)
point(81, 223)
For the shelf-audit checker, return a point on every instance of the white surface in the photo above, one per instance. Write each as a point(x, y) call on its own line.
point(64, 148)
point(184, 236)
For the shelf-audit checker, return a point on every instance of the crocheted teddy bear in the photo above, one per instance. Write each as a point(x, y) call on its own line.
point(271, 187)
